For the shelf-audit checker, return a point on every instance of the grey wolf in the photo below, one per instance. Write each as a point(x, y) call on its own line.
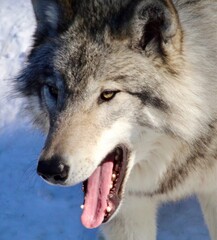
point(126, 91)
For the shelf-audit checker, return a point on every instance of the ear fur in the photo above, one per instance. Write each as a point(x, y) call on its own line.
point(46, 14)
point(158, 30)
point(52, 16)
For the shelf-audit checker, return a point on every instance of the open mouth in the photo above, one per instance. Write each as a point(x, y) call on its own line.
point(103, 189)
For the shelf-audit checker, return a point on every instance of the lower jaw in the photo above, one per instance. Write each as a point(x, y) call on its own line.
point(112, 198)
point(111, 213)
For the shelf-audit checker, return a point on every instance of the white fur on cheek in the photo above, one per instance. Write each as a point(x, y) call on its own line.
point(87, 157)
point(121, 132)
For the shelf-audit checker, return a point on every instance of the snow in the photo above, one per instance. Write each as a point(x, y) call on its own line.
point(31, 209)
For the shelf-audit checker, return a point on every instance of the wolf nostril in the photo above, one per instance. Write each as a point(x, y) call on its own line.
point(53, 169)
point(64, 173)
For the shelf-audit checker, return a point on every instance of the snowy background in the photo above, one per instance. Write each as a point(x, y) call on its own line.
point(29, 208)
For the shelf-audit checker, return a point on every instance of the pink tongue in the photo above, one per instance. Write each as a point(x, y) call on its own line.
point(97, 194)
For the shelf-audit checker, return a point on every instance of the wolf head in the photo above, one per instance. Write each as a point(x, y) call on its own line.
point(104, 77)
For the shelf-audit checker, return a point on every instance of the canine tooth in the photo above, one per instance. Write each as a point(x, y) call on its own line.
point(111, 186)
point(116, 157)
point(108, 209)
point(82, 206)
point(111, 195)
point(113, 177)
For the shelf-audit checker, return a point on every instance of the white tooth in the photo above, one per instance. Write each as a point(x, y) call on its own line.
point(111, 186)
point(108, 209)
point(82, 206)
point(113, 177)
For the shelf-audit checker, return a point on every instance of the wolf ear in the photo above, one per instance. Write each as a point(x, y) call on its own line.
point(46, 14)
point(52, 15)
point(158, 30)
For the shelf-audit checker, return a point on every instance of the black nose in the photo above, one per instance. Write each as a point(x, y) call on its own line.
point(53, 170)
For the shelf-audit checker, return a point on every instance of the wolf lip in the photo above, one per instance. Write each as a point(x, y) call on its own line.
point(103, 189)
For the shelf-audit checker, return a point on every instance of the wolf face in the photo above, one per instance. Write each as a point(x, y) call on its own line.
point(103, 79)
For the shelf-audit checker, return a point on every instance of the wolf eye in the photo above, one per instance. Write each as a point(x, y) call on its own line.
point(50, 95)
point(108, 95)
point(53, 91)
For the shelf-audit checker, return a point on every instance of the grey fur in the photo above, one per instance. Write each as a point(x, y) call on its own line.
point(160, 57)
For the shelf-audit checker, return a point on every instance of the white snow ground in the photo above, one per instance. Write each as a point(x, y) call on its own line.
point(29, 208)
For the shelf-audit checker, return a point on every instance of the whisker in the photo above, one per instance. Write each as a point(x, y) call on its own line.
point(29, 176)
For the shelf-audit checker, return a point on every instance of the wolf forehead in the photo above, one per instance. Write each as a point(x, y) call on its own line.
point(55, 17)
point(111, 39)
point(78, 24)
point(75, 37)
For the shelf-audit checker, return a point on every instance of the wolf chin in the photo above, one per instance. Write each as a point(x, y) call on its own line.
point(126, 91)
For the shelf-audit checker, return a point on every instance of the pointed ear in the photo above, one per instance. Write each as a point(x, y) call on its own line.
point(46, 14)
point(51, 15)
point(158, 30)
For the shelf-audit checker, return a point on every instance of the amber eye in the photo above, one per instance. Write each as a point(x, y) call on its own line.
point(108, 95)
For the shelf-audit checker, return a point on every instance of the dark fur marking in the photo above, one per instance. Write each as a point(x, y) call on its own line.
point(120, 78)
point(97, 15)
point(176, 175)
point(152, 29)
point(40, 66)
point(139, 194)
point(147, 97)
point(191, 2)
